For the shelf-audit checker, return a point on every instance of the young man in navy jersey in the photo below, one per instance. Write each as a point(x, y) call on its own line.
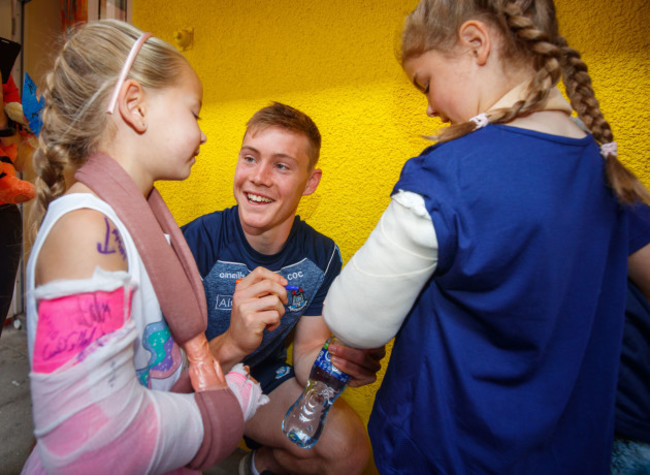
point(247, 254)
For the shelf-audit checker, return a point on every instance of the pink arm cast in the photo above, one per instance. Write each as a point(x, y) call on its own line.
point(69, 325)
point(89, 406)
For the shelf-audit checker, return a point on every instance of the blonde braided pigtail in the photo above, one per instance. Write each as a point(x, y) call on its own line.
point(626, 185)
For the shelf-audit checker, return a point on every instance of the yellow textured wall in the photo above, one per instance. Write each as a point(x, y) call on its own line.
point(334, 60)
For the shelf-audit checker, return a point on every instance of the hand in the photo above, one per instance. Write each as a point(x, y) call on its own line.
point(361, 365)
point(246, 389)
point(257, 304)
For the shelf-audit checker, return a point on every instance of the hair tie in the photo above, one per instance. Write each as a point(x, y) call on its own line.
point(125, 70)
point(480, 120)
point(609, 149)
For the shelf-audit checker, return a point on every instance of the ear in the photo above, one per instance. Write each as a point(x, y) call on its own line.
point(132, 105)
point(474, 36)
point(312, 181)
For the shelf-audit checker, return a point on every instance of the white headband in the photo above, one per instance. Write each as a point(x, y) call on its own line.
point(125, 70)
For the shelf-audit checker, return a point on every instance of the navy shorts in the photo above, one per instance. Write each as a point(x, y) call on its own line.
point(270, 375)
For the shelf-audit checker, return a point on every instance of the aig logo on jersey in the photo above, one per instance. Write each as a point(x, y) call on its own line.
point(224, 302)
point(296, 296)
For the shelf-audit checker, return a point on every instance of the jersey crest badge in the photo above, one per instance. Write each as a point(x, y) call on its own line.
point(296, 296)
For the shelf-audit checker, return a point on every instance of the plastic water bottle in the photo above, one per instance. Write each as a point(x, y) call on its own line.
point(305, 419)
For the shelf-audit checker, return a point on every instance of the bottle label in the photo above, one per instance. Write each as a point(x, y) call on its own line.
point(323, 361)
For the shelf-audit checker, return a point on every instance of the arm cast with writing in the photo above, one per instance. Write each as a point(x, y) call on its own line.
point(91, 412)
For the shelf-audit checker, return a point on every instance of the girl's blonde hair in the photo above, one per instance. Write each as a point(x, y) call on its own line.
point(77, 91)
point(529, 31)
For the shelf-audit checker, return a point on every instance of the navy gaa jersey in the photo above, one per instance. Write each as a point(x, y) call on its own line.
point(309, 261)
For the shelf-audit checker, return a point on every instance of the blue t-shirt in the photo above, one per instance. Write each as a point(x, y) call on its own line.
point(507, 362)
point(308, 260)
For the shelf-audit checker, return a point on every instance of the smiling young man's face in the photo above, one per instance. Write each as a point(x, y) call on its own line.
point(273, 172)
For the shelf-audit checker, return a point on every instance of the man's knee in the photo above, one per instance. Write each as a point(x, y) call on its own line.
point(345, 440)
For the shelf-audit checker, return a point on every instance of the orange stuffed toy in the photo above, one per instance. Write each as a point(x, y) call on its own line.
point(12, 189)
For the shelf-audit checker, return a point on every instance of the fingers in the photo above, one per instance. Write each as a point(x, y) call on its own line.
point(377, 353)
point(361, 365)
point(369, 359)
point(273, 326)
point(269, 319)
point(267, 310)
point(262, 281)
point(260, 273)
point(247, 291)
point(249, 304)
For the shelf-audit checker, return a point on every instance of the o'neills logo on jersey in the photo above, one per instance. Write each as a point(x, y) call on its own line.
point(232, 275)
point(296, 296)
point(224, 302)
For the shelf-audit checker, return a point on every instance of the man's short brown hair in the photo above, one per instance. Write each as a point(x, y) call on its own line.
point(291, 119)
